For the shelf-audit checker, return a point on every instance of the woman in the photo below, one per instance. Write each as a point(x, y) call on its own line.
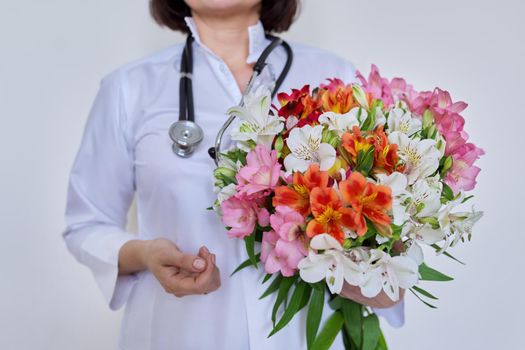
point(174, 277)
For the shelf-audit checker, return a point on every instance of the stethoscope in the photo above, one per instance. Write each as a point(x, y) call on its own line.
point(185, 133)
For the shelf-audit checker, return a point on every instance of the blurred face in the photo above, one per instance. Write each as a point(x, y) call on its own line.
point(223, 7)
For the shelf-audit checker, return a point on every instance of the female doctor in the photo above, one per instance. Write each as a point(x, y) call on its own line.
point(174, 276)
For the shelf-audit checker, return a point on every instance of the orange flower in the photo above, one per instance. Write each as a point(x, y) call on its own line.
point(354, 141)
point(298, 195)
point(385, 157)
point(336, 96)
point(330, 216)
point(368, 200)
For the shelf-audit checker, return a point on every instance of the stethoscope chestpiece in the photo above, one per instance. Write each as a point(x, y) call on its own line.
point(186, 136)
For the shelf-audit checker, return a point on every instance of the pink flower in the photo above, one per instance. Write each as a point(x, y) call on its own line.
point(376, 85)
point(261, 173)
point(388, 91)
point(284, 246)
point(439, 102)
point(241, 215)
point(462, 175)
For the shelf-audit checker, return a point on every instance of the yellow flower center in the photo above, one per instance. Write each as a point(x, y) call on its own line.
point(302, 190)
point(368, 199)
point(329, 215)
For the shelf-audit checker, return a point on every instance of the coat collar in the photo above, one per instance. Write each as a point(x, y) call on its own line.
point(256, 39)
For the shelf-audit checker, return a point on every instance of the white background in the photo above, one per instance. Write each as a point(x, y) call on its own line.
point(53, 54)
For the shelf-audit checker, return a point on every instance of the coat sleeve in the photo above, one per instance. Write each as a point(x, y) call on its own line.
point(100, 189)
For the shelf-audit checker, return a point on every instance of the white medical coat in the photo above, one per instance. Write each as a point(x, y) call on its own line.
point(125, 149)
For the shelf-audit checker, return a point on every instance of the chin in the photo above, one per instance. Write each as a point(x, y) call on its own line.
point(222, 6)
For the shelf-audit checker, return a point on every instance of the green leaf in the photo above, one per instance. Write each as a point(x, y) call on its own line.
point(306, 296)
point(429, 274)
point(292, 308)
point(282, 295)
point(370, 332)
point(273, 286)
point(424, 302)
point(330, 330)
point(250, 248)
point(437, 248)
point(381, 343)
point(447, 192)
point(266, 278)
point(353, 317)
point(313, 318)
point(365, 161)
point(335, 303)
point(424, 292)
point(246, 263)
point(466, 198)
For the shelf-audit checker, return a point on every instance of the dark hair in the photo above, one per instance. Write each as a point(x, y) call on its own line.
point(275, 15)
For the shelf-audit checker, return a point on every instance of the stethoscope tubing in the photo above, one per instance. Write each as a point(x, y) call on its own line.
point(186, 103)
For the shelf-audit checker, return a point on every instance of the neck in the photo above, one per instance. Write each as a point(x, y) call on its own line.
point(226, 36)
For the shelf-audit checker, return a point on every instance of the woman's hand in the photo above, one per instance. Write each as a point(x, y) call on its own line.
point(380, 301)
point(182, 274)
point(179, 273)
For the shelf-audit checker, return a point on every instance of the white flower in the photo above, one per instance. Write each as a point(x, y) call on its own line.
point(403, 121)
point(291, 122)
point(462, 224)
point(258, 124)
point(332, 265)
point(223, 194)
point(421, 157)
point(398, 184)
point(339, 122)
point(425, 199)
point(306, 148)
point(420, 234)
point(389, 274)
point(380, 118)
point(226, 192)
point(456, 225)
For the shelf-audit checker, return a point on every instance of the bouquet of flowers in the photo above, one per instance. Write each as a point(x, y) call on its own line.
point(346, 183)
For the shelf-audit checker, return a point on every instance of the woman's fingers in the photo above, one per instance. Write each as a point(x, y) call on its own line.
point(382, 300)
point(209, 280)
point(188, 262)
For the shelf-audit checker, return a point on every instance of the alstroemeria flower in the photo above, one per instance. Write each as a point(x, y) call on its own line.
point(261, 173)
point(419, 157)
point(241, 215)
point(258, 124)
point(299, 104)
point(297, 196)
point(388, 273)
point(223, 194)
point(403, 121)
point(420, 234)
point(425, 200)
point(398, 183)
point(385, 153)
point(336, 96)
point(332, 265)
point(462, 175)
point(284, 246)
point(456, 226)
point(355, 141)
point(306, 148)
point(330, 216)
point(368, 200)
point(339, 122)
